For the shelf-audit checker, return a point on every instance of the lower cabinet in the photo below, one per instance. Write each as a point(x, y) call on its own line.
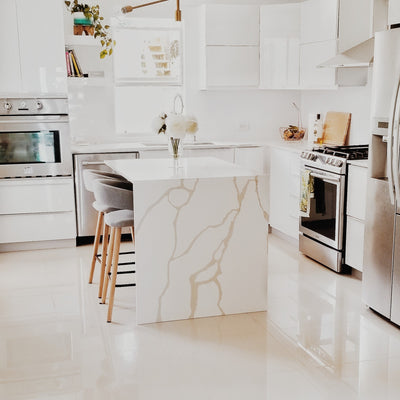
point(284, 191)
point(37, 209)
point(355, 215)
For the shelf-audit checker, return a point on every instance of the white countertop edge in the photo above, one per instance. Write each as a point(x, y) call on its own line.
point(161, 169)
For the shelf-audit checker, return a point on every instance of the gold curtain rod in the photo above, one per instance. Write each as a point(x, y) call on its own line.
point(178, 13)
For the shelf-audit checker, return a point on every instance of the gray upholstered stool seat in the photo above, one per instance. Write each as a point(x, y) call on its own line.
point(119, 219)
point(100, 207)
point(89, 177)
point(118, 195)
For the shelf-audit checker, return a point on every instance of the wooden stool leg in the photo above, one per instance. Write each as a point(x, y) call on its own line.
point(103, 258)
point(133, 235)
point(108, 267)
point(99, 226)
point(117, 243)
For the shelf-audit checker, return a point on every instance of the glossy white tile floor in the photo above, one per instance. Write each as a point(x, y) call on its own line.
point(316, 341)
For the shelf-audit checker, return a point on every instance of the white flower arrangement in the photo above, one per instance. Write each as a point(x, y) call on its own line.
point(175, 125)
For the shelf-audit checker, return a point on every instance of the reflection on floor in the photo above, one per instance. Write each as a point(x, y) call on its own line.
point(317, 341)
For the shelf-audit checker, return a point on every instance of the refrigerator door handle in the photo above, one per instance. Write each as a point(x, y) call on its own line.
point(390, 142)
point(395, 159)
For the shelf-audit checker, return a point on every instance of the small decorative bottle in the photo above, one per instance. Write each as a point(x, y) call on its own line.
point(318, 130)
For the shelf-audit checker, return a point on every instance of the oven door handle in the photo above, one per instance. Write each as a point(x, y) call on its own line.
point(19, 120)
point(85, 163)
point(325, 178)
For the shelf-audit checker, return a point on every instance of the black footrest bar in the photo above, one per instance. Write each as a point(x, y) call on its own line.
point(126, 285)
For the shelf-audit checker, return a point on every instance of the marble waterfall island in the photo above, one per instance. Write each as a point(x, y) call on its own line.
point(201, 238)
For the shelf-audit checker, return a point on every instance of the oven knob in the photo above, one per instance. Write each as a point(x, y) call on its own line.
point(7, 106)
point(339, 163)
point(23, 104)
point(39, 105)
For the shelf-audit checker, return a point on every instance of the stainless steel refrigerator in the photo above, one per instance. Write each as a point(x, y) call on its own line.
point(381, 271)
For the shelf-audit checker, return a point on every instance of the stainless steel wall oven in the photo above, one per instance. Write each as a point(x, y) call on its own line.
point(34, 138)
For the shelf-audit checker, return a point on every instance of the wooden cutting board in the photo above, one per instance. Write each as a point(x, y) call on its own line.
point(336, 127)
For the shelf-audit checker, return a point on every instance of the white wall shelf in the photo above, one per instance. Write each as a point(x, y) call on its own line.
point(81, 40)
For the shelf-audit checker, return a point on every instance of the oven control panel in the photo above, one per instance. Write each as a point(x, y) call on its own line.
point(33, 106)
point(324, 162)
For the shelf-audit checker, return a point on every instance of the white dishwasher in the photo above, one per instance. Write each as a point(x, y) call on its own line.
point(86, 216)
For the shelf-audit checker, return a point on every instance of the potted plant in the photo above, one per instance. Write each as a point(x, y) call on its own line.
point(101, 31)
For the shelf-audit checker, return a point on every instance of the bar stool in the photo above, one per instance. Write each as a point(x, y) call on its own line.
point(119, 196)
point(89, 176)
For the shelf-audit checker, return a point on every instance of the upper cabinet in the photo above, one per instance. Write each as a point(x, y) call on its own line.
point(279, 46)
point(229, 46)
point(319, 20)
point(230, 25)
point(318, 42)
point(10, 76)
point(394, 12)
point(32, 47)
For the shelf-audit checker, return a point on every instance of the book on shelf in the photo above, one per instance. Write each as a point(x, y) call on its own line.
point(73, 66)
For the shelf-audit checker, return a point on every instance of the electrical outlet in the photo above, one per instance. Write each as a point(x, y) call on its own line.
point(244, 126)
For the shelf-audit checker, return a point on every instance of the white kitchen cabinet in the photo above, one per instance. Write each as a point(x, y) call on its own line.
point(279, 46)
point(355, 210)
point(33, 42)
point(231, 66)
point(10, 77)
point(353, 12)
point(311, 55)
point(229, 46)
point(251, 157)
point(354, 243)
point(284, 191)
point(231, 25)
point(37, 209)
point(394, 12)
point(318, 43)
point(319, 20)
point(222, 154)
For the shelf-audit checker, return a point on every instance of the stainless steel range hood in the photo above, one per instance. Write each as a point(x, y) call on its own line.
point(361, 55)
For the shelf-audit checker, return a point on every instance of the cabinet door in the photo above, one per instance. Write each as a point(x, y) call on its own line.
point(252, 158)
point(351, 11)
point(231, 24)
point(319, 19)
point(357, 192)
point(279, 52)
point(221, 154)
point(232, 66)
point(284, 193)
point(41, 38)
point(394, 12)
point(10, 76)
point(311, 55)
point(354, 243)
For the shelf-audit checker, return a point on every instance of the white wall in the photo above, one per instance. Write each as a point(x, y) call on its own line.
point(355, 100)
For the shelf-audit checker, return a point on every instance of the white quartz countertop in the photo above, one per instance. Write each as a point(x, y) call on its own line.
point(168, 169)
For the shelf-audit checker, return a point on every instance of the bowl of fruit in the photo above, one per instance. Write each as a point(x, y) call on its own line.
point(292, 133)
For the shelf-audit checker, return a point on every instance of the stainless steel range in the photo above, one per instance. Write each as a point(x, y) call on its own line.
point(322, 222)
